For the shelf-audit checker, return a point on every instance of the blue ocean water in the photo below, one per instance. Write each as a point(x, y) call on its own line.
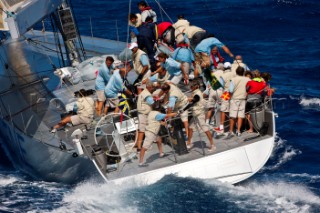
point(278, 36)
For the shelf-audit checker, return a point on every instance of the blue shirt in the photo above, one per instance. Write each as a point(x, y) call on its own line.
point(114, 86)
point(103, 77)
point(172, 101)
point(144, 60)
point(149, 100)
point(172, 66)
point(206, 45)
point(160, 116)
point(231, 87)
point(183, 54)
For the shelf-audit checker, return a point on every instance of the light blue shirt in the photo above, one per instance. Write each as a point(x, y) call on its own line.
point(172, 101)
point(154, 78)
point(144, 60)
point(221, 81)
point(183, 54)
point(172, 66)
point(160, 116)
point(149, 100)
point(206, 45)
point(231, 87)
point(103, 77)
point(114, 86)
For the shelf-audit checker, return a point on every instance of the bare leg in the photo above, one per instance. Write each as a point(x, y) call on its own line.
point(232, 122)
point(99, 107)
point(209, 135)
point(190, 136)
point(239, 124)
point(139, 139)
point(209, 115)
point(159, 144)
point(250, 123)
point(186, 126)
point(142, 152)
point(63, 122)
point(106, 108)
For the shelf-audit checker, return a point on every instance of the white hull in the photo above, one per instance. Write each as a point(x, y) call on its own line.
point(231, 166)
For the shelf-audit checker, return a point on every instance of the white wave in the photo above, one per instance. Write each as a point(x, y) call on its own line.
point(270, 196)
point(308, 102)
point(281, 154)
point(93, 197)
point(308, 177)
point(4, 181)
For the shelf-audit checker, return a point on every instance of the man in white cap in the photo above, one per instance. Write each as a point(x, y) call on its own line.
point(238, 62)
point(140, 61)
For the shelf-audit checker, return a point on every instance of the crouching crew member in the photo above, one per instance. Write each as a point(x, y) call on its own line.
point(155, 119)
point(177, 102)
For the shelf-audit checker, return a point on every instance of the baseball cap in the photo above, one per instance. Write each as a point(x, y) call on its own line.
point(227, 65)
point(133, 45)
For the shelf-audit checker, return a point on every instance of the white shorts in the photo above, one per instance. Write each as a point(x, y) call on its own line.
point(237, 108)
point(101, 96)
point(77, 119)
point(184, 116)
point(200, 122)
point(214, 98)
point(143, 121)
point(225, 106)
point(150, 137)
point(112, 102)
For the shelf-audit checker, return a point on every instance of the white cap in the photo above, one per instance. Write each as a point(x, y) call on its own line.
point(227, 65)
point(133, 45)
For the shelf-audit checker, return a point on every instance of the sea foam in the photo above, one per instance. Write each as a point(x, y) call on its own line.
point(95, 197)
point(310, 102)
point(272, 196)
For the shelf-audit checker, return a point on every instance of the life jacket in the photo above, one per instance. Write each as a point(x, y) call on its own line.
point(256, 86)
point(221, 59)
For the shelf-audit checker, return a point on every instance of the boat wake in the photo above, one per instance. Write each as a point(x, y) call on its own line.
point(94, 197)
point(310, 102)
point(282, 154)
point(270, 196)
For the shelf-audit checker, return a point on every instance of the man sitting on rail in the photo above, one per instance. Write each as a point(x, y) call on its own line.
point(84, 109)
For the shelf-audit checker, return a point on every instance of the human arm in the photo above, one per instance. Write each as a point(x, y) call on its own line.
point(172, 102)
point(226, 50)
point(231, 87)
point(149, 100)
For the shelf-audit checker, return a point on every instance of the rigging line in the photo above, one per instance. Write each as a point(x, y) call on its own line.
point(57, 42)
point(91, 30)
point(78, 32)
point(49, 59)
point(161, 13)
point(161, 8)
point(128, 33)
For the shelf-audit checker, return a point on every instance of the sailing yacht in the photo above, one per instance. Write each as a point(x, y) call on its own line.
point(41, 71)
